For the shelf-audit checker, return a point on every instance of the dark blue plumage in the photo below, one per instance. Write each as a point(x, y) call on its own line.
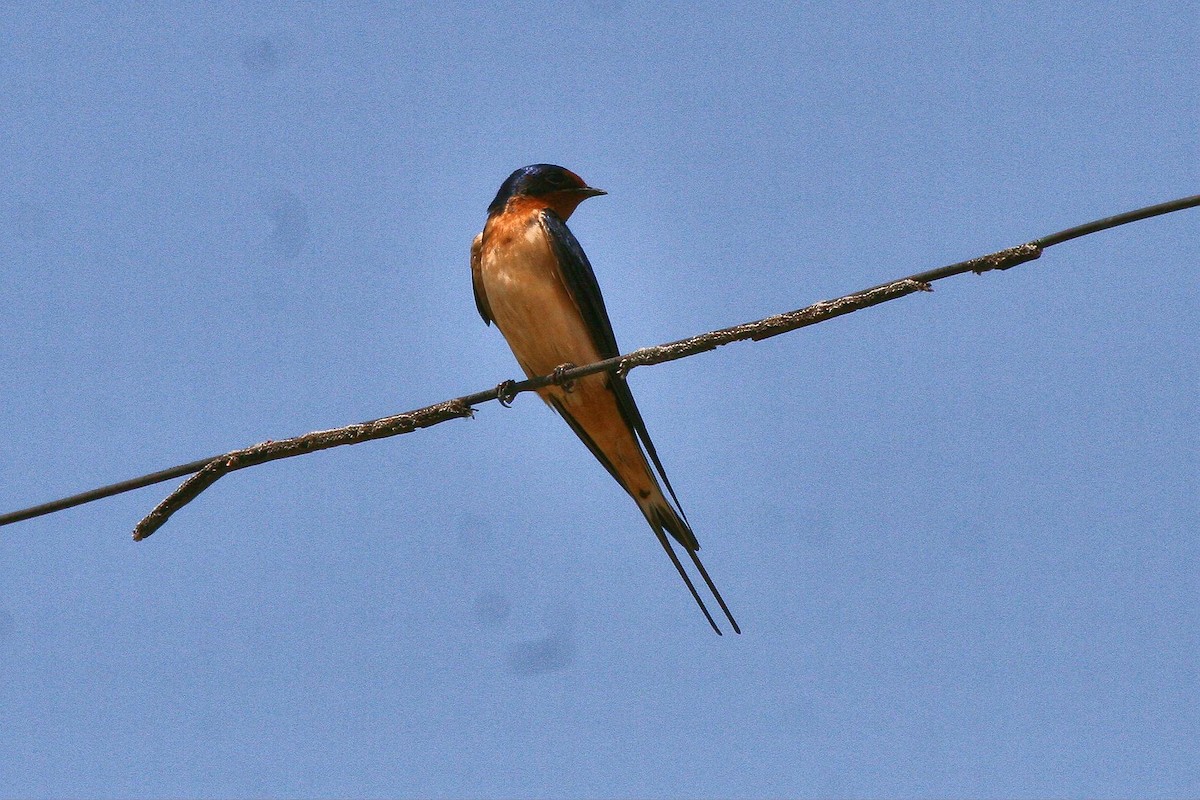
point(537, 180)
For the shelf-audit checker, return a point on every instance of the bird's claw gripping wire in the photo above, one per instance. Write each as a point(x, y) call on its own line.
point(505, 393)
point(568, 386)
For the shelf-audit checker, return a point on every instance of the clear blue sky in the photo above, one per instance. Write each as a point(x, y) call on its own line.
point(960, 530)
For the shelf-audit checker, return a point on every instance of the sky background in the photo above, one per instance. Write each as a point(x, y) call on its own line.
point(959, 529)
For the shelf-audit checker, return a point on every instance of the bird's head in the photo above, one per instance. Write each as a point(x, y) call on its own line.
point(546, 185)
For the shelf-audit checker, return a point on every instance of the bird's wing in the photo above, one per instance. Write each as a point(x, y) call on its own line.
point(582, 285)
point(481, 301)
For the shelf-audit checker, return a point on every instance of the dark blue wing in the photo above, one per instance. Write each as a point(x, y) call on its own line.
point(581, 283)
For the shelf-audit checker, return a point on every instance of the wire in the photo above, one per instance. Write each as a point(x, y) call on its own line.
point(207, 471)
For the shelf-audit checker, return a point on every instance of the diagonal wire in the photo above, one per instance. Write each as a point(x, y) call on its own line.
point(207, 471)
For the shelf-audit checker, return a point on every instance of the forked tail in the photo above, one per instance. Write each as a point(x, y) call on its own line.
point(664, 519)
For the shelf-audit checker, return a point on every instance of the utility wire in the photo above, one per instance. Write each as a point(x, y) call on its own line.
point(207, 471)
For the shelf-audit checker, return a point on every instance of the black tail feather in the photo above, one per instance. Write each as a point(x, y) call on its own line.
point(662, 539)
point(713, 588)
point(662, 518)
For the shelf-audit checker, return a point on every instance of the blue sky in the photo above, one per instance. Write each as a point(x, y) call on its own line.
point(959, 529)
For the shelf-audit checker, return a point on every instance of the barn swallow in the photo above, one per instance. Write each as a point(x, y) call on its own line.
point(533, 280)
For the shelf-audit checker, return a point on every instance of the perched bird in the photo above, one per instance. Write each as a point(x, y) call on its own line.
point(533, 280)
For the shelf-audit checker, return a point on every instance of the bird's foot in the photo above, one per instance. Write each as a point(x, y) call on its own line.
point(568, 386)
point(505, 393)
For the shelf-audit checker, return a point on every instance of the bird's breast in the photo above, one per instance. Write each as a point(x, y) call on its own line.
point(529, 299)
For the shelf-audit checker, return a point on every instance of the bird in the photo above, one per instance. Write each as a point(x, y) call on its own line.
point(531, 277)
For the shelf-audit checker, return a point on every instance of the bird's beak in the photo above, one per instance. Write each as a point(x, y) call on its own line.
point(588, 191)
